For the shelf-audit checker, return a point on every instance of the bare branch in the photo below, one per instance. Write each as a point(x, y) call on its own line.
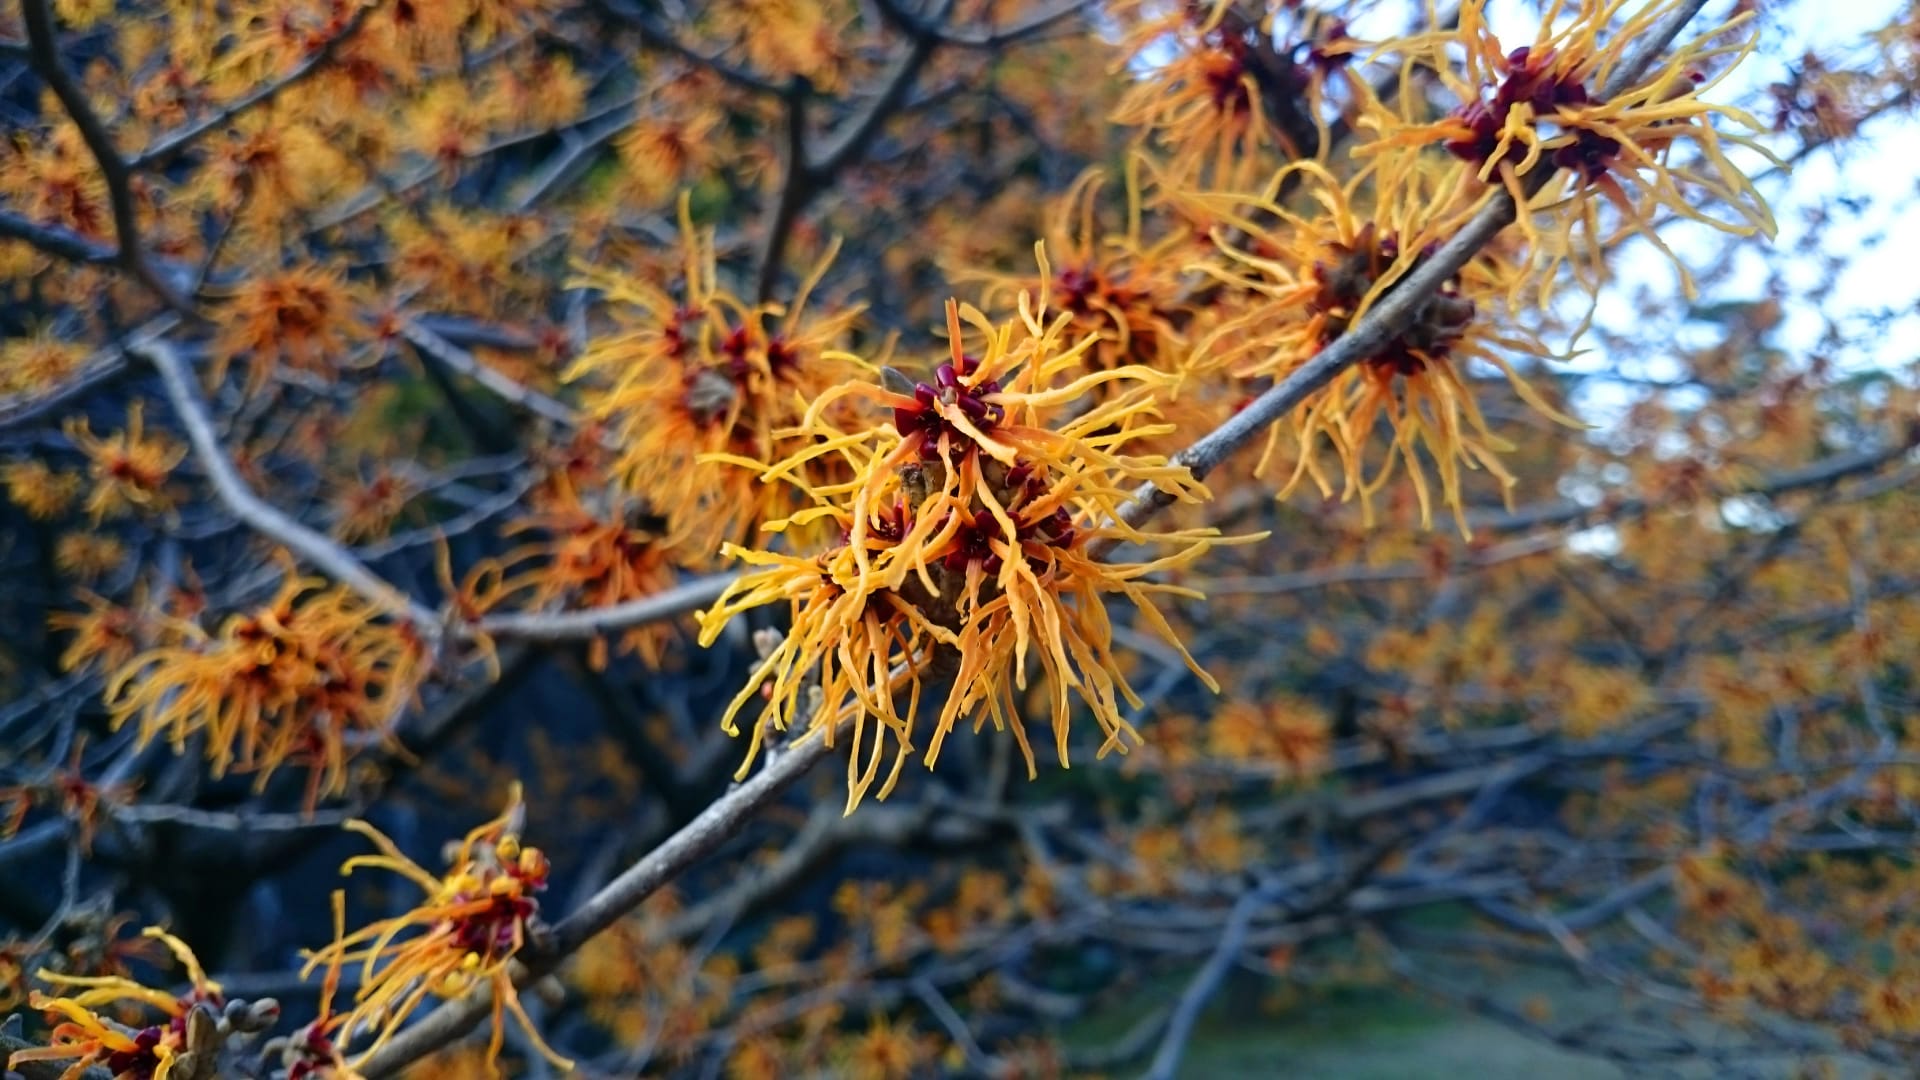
point(324, 554)
point(854, 135)
point(956, 1025)
point(55, 240)
point(595, 622)
point(1816, 474)
point(657, 36)
point(796, 190)
point(102, 369)
point(1206, 982)
point(808, 176)
point(1025, 30)
point(226, 821)
point(464, 363)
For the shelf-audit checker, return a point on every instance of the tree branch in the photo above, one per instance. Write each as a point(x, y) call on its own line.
point(808, 176)
point(461, 362)
point(796, 190)
point(103, 369)
point(1206, 982)
point(1028, 29)
point(854, 135)
point(44, 56)
point(654, 34)
point(317, 550)
point(171, 145)
point(595, 622)
point(56, 240)
point(1816, 474)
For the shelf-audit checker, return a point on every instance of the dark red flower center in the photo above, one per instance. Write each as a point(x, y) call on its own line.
point(925, 418)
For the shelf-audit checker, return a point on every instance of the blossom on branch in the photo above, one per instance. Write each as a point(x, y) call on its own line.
point(964, 548)
point(701, 390)
point(460, 939)
point(1539, 106)
point(309, 679)
point(1319, 273)
point(185, 1045)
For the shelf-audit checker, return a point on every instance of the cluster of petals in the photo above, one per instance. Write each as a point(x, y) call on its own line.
point(965, 544)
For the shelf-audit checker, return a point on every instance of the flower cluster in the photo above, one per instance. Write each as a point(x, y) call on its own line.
point(1318, 274)
point(461, 937)
point(965, 537)
point(581, 551)
point(77, 798)
point(1539, 106)
point(129, 468)
point(1127, 290)
point(186, 1045)
point(310, 678)
point(701, 389)
point(88, 942)
point(1227, 92)
point(303, 318)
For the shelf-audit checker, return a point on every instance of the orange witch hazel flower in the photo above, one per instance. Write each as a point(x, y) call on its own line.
point(587, 554)
point(308, 679)
point(129, 469)
point(303, 317)
point(698, 386)
point(966, 544)
point(1133, 293)
point(186, 1045)
point(1207, 74)
point(463, 935)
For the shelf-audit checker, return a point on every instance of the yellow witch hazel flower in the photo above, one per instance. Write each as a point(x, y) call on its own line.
point(185, 1045)
point(966, 548)
point(1130, 290)
point(1541, 106)
point(697, 385)
point(462, 936)
point(1320, 272)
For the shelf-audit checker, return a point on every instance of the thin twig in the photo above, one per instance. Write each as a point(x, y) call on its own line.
point(171, 145)
point(796, 189)
point(655, 35)
point(1026, 30)
point(1815, 474)
point(595, 622)
point(56, 240)
point(102, 369)
point(1206, 983)
point(226, 821)
point(44, 54)
point(808, 175)
point(462, 362)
